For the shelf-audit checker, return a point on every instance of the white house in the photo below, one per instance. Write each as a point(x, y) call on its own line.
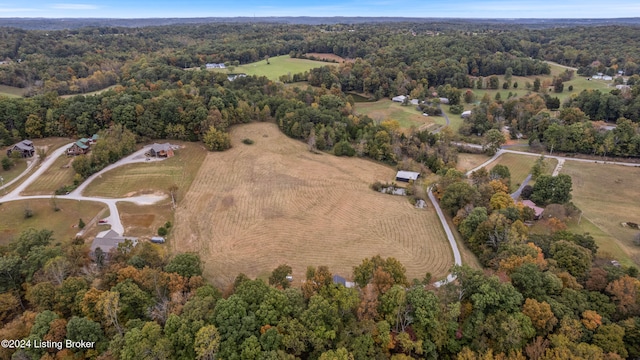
point(399, 99)
point(465, 114)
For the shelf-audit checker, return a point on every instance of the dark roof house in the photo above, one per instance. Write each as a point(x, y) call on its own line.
point(79, 147)
point(24, 147)
point(161, 150)
point(108, 240)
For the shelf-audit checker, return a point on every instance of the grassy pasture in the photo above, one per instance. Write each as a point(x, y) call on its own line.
point(63, 223)
point(15, 170)
point(11, 91)
point(91, 93)
point(254, 207)
point(155, 176)
point(59, 174)
point(608, 195)
point(386, 109)
point(278, 66)
point(520, 166)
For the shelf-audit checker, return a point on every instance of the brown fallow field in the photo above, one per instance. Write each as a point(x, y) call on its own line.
point(254, 207)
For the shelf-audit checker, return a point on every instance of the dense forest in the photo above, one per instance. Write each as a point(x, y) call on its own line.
point(540, 296)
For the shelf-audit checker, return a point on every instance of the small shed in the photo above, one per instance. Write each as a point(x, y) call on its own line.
point(444, 100)
point(406, 176)
point(465, 114)
point(337, 279)
point(399, 99)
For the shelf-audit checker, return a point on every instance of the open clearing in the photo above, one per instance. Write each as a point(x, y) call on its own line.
point(467, 161)
point(608, 195)
point(254, 207)
point(91, 93)
point(278, 66)
point(385, 109)
point(63, 223)
point(11, 91)
point(144, 221)
point(520, 166)
point(328, 57)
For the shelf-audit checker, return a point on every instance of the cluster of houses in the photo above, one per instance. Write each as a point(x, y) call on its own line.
point(82, 146)
point(215, 66)
point(25, 148)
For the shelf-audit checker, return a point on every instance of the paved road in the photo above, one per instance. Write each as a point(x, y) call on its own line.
point(114, 216)
point(457, 259)
point(517, 193)
point(32, 163)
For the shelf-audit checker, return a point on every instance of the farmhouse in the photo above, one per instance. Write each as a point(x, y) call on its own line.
point(161, 150)
point(24, 147)
point(465, 114)
point(108, 240)
point(215, 66)
point(78, 148)
point(399, 99)
point(444, 100)
point(407, 176)
point(536, 209)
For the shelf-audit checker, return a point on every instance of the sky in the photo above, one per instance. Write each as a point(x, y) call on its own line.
point(392, 8)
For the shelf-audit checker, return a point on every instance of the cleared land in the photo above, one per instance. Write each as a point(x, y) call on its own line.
point(63, 223)
point(608, 195)
point(59, 174)
point(386, 109)
point(467, 162)
point(254, 207)
point(19, 166)
point(12, 92)
point(278, 66)
point(151, 177)
point(328, 57)
point(90, 93)
point(520, 166)
point(144, 221)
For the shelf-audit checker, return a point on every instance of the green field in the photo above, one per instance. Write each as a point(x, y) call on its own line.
point(17, 169)
point(455, 121)
point(90, 93)
point(278, 66)
point(12, 92)
point(63, 223)
point(407, 116)
point(608, 195)
point(520, 166)
point(156, 176)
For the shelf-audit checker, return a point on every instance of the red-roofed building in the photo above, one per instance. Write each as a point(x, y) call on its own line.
point(536, 209)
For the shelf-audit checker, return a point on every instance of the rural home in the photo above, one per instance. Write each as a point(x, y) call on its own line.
point(465, 114)
point(24, 147)
point(108, 240)
point(407, 176)
point(78, 148)
point(399, 99)
point(444, 100)
point(215, 66)
point(536, 209)
point(161, 150)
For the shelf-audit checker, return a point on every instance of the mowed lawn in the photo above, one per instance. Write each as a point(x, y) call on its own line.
point(467, 162)
point(59, 174)
point(151, 177)
point(254, 207)
point(19, 166)
point(520, 166)
point(144, 221)
point(385, 109)
point(277, 66)
point(608, 195)
point(63, 223)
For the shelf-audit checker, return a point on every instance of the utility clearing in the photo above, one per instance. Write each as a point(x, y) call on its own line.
point(254, 207)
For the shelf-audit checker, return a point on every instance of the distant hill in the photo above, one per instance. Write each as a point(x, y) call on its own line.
point(75, 23)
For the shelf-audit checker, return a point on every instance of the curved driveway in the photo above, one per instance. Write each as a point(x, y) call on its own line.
point(114, 215)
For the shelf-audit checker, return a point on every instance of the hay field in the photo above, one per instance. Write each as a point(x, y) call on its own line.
point(254, 207)
point(277, 66)
point(58, 175)
point(608, 195)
